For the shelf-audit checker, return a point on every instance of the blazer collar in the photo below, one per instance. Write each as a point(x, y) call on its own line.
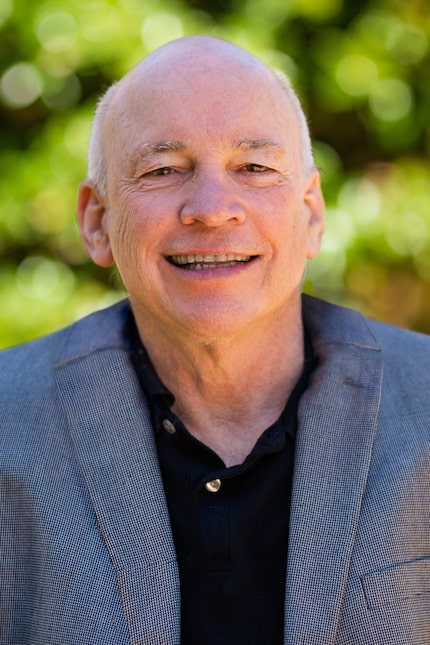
point(111, 431)
point(337, 421)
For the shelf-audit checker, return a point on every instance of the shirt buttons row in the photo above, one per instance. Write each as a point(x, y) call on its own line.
point(213, 486)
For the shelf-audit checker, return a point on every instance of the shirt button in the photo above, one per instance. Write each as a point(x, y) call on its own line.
point(168, 426)
point(213, 486)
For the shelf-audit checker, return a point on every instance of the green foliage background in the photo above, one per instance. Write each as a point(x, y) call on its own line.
point(361, 70)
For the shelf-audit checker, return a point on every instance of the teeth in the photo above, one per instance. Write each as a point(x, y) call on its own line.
point(209, 259)
point(200, 266)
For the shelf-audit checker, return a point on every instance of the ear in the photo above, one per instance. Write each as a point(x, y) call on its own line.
point(314, 209)
point(92, 224)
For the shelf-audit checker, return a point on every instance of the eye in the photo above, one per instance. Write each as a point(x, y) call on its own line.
point(161, 172)
point(255, 167)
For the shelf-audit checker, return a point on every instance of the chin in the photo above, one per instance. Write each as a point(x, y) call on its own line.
point(213, 325)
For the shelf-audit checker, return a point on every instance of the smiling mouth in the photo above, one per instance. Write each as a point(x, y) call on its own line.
point(201, 262)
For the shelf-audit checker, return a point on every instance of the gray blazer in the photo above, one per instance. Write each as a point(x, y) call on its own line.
point(86, 550)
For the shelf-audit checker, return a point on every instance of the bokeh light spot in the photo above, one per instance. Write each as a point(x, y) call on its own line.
point(21, 85)
point(408, 44)
point(77, 134)
point(356, 74)
point(56, 31)
point(320, 10)
point(62, 92)
point(160, 28)
point(5, 10)
point(45, 279)
point(391, 99)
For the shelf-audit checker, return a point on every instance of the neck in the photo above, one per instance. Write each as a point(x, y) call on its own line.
point(229, 390)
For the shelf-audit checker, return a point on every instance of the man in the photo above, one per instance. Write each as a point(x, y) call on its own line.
point(219, 461)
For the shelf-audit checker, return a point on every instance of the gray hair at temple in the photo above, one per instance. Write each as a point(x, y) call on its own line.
point(96, 155)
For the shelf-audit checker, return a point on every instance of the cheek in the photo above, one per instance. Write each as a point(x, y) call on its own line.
point(286, 227)
point(124, 234)
point(291, 245)
point(125, 221)
point(135, 239)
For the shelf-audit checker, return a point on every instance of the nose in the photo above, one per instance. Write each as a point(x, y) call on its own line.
point(212, 201)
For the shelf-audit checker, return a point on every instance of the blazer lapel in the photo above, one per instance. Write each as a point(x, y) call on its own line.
point(113, 440)
point(337, 421)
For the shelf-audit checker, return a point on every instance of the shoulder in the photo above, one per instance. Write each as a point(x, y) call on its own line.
point(394, 339)
point(406, 360)
point(32, 419)
point(404, 354)
point(332, 323)
point(28, 367)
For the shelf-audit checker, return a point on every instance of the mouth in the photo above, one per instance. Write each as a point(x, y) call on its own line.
point(193, 262)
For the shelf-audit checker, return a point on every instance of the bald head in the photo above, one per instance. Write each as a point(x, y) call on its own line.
point(199, 62)
point(203, 52)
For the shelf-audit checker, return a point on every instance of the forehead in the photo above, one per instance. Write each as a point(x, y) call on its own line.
point(207, 100)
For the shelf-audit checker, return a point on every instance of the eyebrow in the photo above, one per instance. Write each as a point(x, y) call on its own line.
point(149, 149)
point(256, 144)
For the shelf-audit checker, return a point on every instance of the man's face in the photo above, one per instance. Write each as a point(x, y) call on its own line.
point(209, 218)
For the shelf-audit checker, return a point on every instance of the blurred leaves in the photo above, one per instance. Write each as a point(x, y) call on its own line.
point(360, 69)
